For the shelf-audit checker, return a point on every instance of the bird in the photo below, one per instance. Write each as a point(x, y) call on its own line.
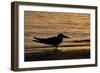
point(54, 41)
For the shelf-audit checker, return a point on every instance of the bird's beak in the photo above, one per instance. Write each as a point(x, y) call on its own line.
point(66, 36)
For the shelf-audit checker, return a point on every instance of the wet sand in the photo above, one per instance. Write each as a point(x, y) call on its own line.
point(57, 55)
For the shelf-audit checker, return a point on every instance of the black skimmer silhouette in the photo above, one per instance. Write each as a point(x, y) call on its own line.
point(55, 41)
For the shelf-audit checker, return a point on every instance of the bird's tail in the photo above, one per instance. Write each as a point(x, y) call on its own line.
point(36, 38)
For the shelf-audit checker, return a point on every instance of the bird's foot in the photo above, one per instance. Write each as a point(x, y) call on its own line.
point(56, 50)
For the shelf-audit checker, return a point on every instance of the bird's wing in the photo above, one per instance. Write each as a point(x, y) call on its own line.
point(45, 40)
point(50, 38)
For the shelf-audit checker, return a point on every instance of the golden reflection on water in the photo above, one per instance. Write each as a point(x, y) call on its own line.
point(49, 24)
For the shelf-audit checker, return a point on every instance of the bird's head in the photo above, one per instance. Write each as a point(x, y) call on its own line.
point(62, 36)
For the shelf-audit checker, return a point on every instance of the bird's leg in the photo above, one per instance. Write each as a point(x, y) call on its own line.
point(56, 48)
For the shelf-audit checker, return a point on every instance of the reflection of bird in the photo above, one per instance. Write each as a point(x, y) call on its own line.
point(55, 41)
